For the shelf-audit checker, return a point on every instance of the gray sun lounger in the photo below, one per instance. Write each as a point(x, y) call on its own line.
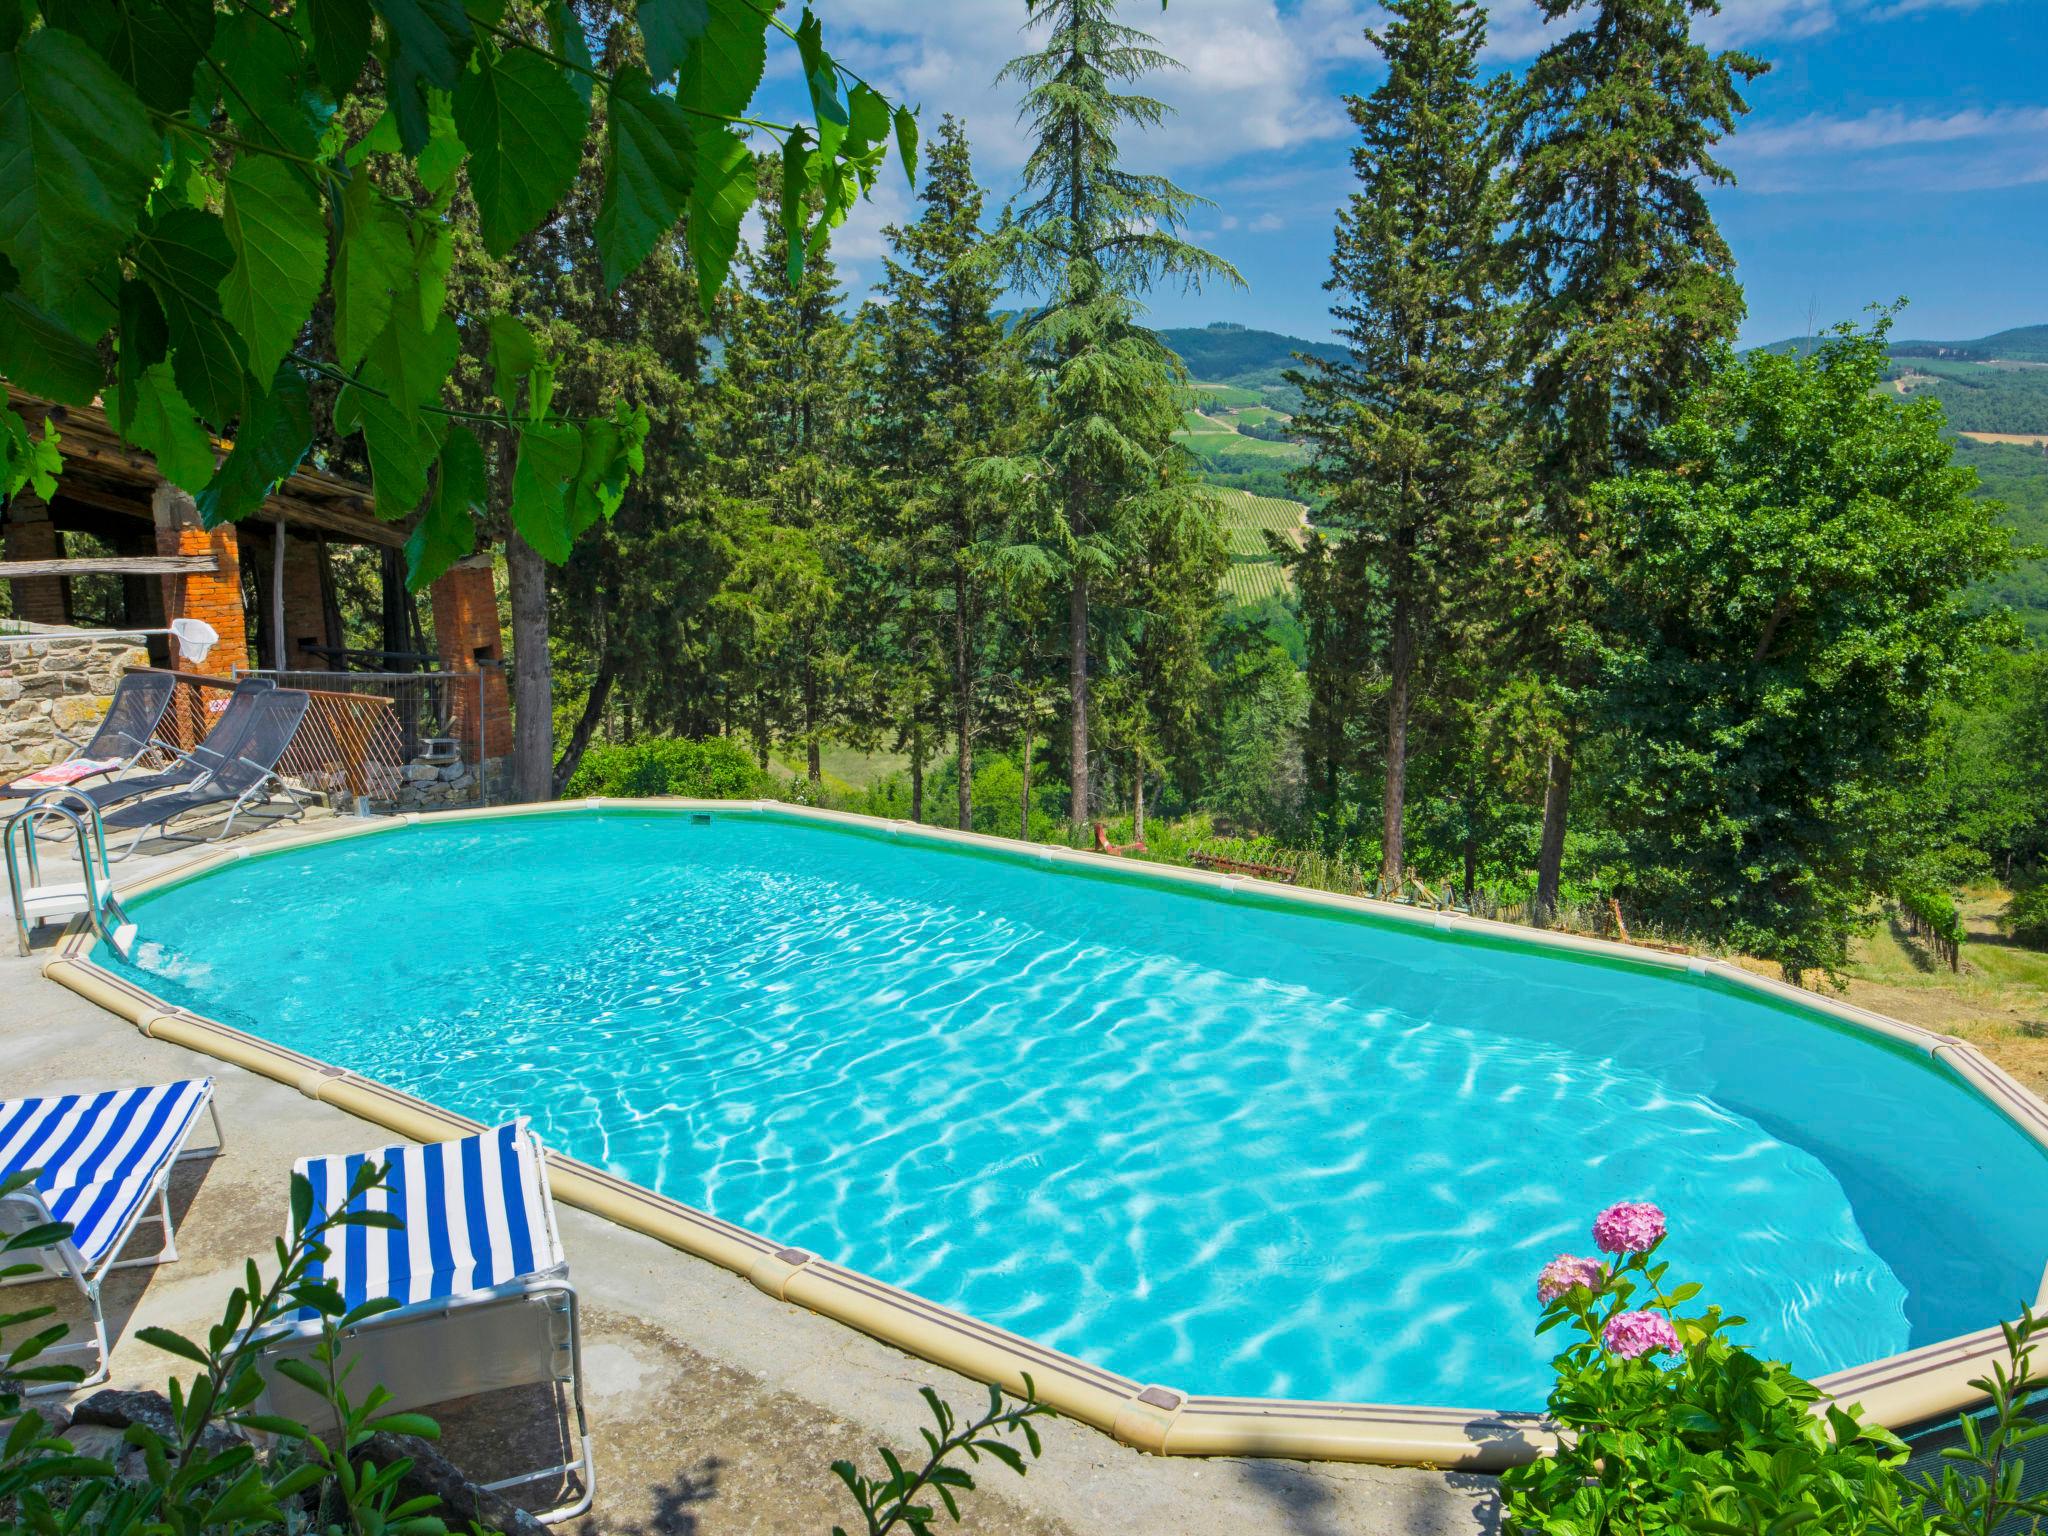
point(220, 746)
point(126, 731)
point(243, 781)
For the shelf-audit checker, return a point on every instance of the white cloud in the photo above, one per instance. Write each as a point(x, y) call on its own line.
point(1268, 221)
point(1970, 149)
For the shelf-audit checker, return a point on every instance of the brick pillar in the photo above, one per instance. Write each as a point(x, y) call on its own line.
point(214, 596)
point(305, 611)
point(466, 632)
point(32, 536)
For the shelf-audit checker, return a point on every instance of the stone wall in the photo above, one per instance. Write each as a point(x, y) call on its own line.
point(58, 678)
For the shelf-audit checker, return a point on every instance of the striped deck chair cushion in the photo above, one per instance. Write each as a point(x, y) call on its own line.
point(474, 1213)
point(99, 1154)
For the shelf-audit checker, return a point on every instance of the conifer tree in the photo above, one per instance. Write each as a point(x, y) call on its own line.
point(947, 389)
point(1632, 289)
point(1408, 428)
point(1090, 238)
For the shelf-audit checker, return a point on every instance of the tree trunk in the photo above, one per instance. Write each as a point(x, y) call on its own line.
point(1557, 794)
point(1024, 798)
point(1077, 687)
point(277, 640)
point(586, 723)
point(1471, 865)
point(533, 678)
point(1401, 663)
point(963, 700)
point(813, 766)
point(1138, 798)
point(917, 772)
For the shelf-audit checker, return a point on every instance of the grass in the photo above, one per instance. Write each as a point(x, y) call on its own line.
point(1255, 573)
point(844, 770)
point(1228, 394)
point(1211, 444)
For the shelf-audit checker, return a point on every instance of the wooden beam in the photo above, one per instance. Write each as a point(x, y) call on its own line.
point(128, 565)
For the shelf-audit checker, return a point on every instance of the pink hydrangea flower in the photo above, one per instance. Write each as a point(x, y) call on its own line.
point(1630, 1334)
point(1632, 1226)
point(1568, 1272)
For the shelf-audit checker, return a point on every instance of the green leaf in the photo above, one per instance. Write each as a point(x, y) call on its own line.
point(144, 339)
point(669, 28)
point(796, 187)
point(649, 161)
point(271, 442)
point(567, 38)
point(401, 448)
point(36, 463)
point(165, 424)
point(513, 355)
point(906, 143)
point(153, 45)
point(410, 364)
point(184, 256)
point(174, 1343)
point(524, 127)
point(821, 77)
point(341, 42)
point(447, 530)
point(725, 59)
point(41, 354)
point(13, 22)
point(432, 37)
point(549, 456)
point(719, 199)
point(372, 261)
point(278, 234)
point(262, 97)
point(415, 1424)
point(442, 155)
point(77, 157)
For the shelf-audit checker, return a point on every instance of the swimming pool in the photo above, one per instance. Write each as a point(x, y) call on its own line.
point(1238, 1145)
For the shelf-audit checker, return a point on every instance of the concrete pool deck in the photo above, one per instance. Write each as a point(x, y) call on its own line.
point(715, 1408)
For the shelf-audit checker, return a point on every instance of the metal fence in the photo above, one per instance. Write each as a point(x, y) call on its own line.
point(365, 728)
point(346, 746)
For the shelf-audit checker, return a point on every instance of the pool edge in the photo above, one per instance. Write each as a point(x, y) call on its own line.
point(1915, 1386)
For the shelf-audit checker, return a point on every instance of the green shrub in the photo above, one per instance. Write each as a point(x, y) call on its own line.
point(718, 768)
point(2026, 916)
point(1670, 1428)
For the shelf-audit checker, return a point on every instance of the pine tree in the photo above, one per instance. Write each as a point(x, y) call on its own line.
point(1091, 237)
point(947, 389)
point(1632, 289)
point(1408, 429)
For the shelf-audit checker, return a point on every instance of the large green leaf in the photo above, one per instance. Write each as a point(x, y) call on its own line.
point(719, 198)
point(184, 257)
point(35, 462)
point(410, 364)
point(144, 339)
point(341, 41)
point(726, 52)
point(668, 28)
point(278, 233)
point(524, 127)
point(401, 445)
point(163, 423)
point(550, 454)
point(432, 37)
point(154, 45)
point(649, 162)
point(513, 355)
point(77, 156)
point(447, 529)
point(270, 443)
point(44, 356)
point(373, 261)
point(262, 93)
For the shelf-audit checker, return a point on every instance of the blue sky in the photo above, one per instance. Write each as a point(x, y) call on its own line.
point(1897, 148)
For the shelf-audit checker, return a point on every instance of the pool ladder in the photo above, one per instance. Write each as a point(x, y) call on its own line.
point(38, 901)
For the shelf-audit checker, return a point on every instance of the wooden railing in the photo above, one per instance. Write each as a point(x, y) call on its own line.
point(349, 744)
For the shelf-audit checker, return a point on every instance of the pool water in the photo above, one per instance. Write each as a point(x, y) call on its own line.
point(1220, 1144)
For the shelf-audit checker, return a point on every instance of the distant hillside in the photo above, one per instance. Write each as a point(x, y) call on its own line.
point(2023, 344)
point(1222, 353)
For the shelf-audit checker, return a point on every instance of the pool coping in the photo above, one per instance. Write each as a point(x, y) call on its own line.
point(1918, 1385)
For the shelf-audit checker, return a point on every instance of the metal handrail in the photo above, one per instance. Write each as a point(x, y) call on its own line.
point(92, 859)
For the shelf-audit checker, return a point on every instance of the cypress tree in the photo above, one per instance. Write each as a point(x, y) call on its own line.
point(1091, 237)
point(947, 389)
point(1632, 290)
point(1408, 428)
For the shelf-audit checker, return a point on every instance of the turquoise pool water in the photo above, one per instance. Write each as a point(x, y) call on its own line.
point(1202, 1141)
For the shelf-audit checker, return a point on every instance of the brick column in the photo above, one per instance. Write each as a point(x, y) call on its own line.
point(32, 536)
point(305, 613)
point(214, 596)
point(466, 632)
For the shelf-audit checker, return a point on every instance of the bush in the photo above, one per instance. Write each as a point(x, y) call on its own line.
point(718, 768)
point(1670, 1427)
point(2026, 916)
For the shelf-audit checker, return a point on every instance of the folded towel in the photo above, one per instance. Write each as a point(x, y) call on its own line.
point(59, 774)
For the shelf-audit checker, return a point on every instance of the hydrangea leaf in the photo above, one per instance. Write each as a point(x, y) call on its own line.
point(648, 167)
point(720, 195)
point(270, 443)
point(524, 127)
point(77, 157)
point(278, 233)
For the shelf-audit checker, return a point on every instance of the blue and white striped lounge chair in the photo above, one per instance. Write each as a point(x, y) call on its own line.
point(103, 1163)
point(482, 1284)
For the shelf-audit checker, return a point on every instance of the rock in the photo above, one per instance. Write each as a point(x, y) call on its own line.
point(461, 1500)
point(452, 772)
point(118, 1410)
point(420, 773)
point(72, 712)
